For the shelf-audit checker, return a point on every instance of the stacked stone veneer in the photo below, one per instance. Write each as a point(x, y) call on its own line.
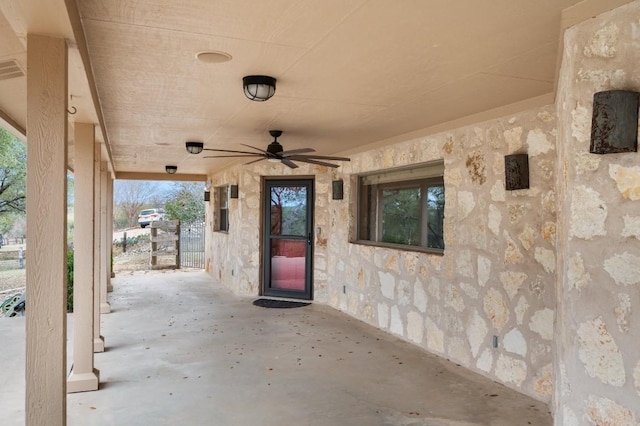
point(578, 226)
point(497, 274)
point(233, 258)
point(496, 277)
point(598, 328)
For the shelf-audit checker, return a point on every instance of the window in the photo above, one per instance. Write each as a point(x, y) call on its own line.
point(403, 207)
point(222, 208)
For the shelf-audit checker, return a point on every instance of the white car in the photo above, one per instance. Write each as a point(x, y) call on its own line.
point(150, 215)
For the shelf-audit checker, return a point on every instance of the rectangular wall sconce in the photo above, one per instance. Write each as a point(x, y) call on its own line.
point(516, 171)
point(337, 187)
point(233, 191)
point(207, 195)
point(614, 125)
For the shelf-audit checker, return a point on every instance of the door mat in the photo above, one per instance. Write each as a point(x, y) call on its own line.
point(282, 304)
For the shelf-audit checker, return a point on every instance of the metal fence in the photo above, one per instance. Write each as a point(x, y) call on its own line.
point(192, 245)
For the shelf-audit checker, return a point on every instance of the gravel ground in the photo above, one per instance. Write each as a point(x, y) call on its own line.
point(13, 279)
point(136, 259)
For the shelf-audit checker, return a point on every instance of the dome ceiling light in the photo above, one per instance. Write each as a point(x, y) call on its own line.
point(259, 88)
point(194, 147)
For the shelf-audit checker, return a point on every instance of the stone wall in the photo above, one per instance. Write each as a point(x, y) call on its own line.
point(505, 250)
point(233, 258)
point(496, 277)
point(598, 332)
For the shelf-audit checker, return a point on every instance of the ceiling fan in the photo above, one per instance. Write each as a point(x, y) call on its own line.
point(276, 153)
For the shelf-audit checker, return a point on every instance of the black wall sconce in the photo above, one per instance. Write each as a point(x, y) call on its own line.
point(207, 195)
point(337, 187)
point(516, 171)
point(233, 191)
point(614, 126)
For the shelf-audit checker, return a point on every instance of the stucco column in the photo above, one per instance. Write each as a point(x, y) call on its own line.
point(98, 340)
point(109, 230)
point(83, 376)
point(46, 322)
point(105, 307)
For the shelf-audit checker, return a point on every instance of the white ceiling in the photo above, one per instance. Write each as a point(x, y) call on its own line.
point(350, 72)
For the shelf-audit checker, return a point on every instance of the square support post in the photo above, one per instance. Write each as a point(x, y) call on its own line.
point(105, 240)
point(110, 230)
point(83, 377)
point(46, 322)
point(98, 340)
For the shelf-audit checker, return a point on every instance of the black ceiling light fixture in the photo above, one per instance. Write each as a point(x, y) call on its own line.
point(171, 169)
point(194, 147)
point(259, 88)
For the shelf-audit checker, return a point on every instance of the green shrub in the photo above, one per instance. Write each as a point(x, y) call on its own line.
point(69, 280)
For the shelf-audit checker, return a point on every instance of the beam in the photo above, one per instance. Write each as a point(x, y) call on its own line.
point(81, 44)
point(161, 176)
point(587, 9)
point(12, 126)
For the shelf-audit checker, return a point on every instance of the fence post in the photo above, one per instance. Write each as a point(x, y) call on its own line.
point(124, 242)
point(178, 246)
point(154, 246)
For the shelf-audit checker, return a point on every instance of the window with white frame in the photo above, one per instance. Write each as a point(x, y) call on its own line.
point(403, 207)
point(222, 208)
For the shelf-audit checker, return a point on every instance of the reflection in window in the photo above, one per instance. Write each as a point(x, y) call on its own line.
point(288, 211)
point(222, 201)
point(403, 207)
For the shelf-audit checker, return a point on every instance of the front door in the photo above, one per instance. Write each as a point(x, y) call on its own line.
point(288, 238)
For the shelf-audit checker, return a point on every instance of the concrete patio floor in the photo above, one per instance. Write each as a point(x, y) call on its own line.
point(181, 350)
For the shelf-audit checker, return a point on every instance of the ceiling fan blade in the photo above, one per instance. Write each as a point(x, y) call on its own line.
point(309, 160)
point(232, 156)
point(255, 161)
point(319, 157)
point(253, 147)
point(228, 150)
point(297, 151)
point(289, 163)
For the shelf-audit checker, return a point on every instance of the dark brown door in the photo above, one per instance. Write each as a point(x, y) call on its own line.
point(288, 238)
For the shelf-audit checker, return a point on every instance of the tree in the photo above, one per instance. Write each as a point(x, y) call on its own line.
point(13, 172)
point(401, 216)
point(288, 212)
point(132, 195)
point(186, 202)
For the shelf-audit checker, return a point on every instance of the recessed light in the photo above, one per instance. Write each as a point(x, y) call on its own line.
point(213, 57)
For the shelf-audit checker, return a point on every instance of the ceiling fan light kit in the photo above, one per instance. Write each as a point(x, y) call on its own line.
point(259, 88)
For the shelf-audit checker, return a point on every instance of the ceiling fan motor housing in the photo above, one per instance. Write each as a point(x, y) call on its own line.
point(274, 148)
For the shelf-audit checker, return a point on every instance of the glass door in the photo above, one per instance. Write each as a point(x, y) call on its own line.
point(288, 238)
